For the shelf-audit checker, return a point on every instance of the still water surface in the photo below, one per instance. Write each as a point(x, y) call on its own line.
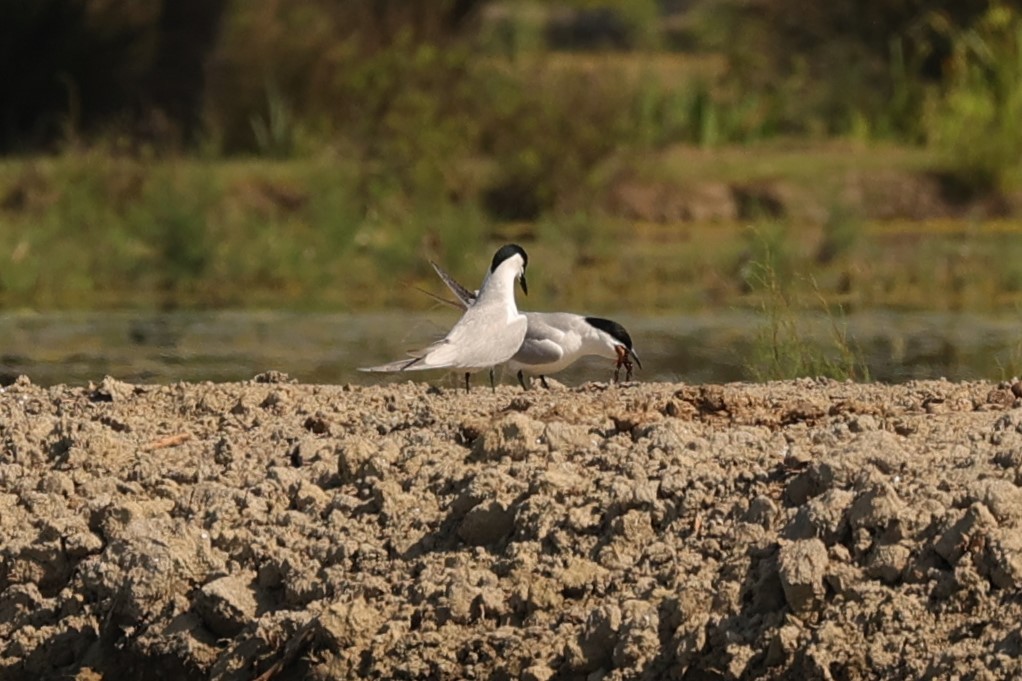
point(77, 348)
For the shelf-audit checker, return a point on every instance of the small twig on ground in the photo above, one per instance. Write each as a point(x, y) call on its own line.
point(167, 441)
point(292, 649)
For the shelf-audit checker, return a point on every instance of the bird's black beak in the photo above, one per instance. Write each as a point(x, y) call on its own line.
point(525, 285)
point(635, 357)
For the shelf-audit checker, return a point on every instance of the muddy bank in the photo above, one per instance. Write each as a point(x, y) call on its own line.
point(878, 195)
point(806, 529)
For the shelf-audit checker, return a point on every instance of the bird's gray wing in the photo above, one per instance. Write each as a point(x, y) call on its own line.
point(466, 297)
point(553, 324)
point(538, 351)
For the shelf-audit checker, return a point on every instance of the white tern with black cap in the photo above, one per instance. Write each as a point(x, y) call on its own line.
point(490, 331)
point(556, 340)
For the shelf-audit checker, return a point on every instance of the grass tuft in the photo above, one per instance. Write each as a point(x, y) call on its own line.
point(787, 346)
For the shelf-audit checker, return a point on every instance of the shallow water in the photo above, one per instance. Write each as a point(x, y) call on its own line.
point(326, 348)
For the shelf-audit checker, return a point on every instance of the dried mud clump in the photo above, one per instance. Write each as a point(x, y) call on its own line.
point(804, 529)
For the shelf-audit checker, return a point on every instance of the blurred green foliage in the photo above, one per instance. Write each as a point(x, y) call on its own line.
point(98, 229)
point(976, 116)
point(824, 64)
point(406, 87)
point(219, 153)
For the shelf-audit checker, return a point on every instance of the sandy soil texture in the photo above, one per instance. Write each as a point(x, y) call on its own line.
point(804, 529)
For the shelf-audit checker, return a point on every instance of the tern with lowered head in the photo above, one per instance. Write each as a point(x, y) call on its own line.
point(556, 340)
point(490, 331)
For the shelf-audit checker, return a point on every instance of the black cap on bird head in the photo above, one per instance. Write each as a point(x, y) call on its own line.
point(615, 331)
point(612, 329)
point(506, 251)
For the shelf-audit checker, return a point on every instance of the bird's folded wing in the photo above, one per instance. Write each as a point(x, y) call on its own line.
point(536, 351)
point(443, 354)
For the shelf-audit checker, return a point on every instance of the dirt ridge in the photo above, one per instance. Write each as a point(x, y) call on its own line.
point(269, 529)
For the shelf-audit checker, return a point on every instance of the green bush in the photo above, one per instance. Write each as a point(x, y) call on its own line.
point(840, 66)
point(392, 83)
point(546, 138)
point(976, 116)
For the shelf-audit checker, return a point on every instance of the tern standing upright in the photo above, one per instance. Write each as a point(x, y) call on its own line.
point(489, 333)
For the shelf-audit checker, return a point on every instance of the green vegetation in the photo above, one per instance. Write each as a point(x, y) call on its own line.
point(264, 233)
point(202, 153)
point(543, 91)
point(786, 345)
point(977, 118)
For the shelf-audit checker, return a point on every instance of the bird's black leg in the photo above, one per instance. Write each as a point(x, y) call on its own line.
point(493, 386)
point(467, 386)
point(521, 380)
point(542, 379)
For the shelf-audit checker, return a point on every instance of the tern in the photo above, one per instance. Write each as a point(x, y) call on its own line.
point(490, 331)
point(556, 340)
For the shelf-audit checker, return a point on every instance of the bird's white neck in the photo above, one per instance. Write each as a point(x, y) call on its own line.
point(499, 285)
